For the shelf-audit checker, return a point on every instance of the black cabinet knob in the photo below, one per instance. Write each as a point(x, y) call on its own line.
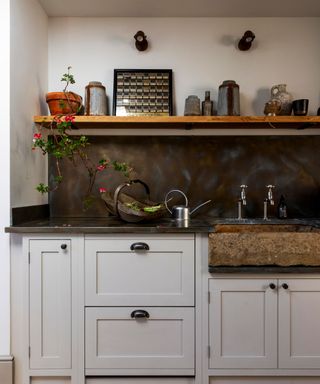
point(139, 247)
point(140, 314)
point(63, 246)
point(285, 286)
point(272, 286)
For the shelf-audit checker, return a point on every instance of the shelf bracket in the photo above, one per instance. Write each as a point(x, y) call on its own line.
point(189, 126)
point(306, 126)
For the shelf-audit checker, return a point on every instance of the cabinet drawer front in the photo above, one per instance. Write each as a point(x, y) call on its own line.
point(115, 340)
point(163, 275)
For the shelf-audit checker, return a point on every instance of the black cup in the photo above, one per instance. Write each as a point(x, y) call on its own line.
point(300, 107)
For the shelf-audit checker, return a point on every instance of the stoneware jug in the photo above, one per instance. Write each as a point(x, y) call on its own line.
point(229, 99)
point(279, 92)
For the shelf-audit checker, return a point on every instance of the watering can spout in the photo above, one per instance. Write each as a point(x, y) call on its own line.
point(181, 212)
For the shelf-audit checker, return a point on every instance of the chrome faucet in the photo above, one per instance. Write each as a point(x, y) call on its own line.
point(268, 200)
point(242, 200)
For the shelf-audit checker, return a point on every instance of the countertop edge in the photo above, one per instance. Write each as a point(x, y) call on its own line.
point(263, 269)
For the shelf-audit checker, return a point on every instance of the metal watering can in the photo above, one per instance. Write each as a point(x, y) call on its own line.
point(181, 212)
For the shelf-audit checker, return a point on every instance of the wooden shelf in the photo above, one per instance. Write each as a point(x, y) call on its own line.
point(190, 125)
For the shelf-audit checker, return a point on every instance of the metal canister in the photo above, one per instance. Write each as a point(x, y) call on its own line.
point(229, 99)
point(96, 103)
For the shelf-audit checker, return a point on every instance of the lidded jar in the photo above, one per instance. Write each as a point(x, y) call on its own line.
point(96, 103)
point(229, 99)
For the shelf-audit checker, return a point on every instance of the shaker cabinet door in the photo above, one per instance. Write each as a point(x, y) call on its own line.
point(299, 323)
point(50, 303)
point(243, 323)
point(139, 271)
point(149, 339)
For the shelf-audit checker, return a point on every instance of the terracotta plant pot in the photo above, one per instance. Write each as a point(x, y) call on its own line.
point(64, 103)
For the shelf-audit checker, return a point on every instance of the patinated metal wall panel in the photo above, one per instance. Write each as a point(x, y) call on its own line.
point(204, 168)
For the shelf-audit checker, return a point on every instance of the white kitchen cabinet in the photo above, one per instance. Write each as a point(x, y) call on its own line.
point(242, 323)
point(147, 271)
point(50, 303)
point(264, 323)
point(299, 323)
point(144, 338)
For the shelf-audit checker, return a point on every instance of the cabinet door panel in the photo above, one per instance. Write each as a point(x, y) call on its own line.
point(243, 323)
point(114, 339)
point(50, 304)
point(118, 276)
point(299, 323)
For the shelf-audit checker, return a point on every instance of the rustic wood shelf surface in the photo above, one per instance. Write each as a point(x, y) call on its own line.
point(190, 124)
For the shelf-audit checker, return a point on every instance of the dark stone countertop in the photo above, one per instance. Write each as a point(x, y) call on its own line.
point(107, 225)
point(264, 269)
point(166, 225)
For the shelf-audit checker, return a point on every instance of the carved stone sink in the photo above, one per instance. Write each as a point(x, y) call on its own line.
point(262, 243)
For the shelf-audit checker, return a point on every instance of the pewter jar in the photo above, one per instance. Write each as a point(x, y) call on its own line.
point(96, 99)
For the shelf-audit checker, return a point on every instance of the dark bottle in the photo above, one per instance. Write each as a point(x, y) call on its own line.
point(282, 208)
point(207, 105)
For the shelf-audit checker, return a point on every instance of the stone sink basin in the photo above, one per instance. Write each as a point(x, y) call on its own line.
point(256, 242)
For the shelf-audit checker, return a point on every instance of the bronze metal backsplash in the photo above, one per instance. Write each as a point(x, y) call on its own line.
point(204, 168)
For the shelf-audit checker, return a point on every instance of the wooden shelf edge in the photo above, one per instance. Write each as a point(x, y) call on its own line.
point(197, 120)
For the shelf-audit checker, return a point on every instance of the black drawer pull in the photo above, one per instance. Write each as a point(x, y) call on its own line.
point(285, 286)
point(139, 247)
point(272, 286)
point(140, 314)
point(63, 246)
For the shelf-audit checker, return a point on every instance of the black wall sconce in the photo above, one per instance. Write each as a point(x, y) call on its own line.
point(246, 41)
point(141, 41)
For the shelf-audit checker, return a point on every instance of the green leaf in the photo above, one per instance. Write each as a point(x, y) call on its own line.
point(42, 188)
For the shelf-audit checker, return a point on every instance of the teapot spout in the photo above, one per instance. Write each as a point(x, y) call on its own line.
point(199, 206)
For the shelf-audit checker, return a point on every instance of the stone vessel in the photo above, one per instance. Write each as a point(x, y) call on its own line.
point(279, 92)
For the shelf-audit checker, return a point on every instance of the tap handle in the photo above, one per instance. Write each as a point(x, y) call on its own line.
point(270, 195)
point(243, 194)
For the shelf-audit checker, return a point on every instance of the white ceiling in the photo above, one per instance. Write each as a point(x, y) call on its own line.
point(182, 8)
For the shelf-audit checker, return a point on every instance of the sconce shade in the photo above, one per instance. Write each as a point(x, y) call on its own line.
point(141, 41)
point(246, 41)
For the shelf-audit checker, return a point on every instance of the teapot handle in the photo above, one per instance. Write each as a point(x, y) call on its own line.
point(167, 195)
point(274, 90)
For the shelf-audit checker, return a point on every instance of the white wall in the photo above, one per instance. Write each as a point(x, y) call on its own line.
point(201, 52)
point(28, 44)
point(29, 68)
point(5, 177)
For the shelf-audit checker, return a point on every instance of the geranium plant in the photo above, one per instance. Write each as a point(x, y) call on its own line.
point(65, 102)
point(59, 143)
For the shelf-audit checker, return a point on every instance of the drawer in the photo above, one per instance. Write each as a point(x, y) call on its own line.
point(119, 274)
point(140, 380)
point(118, 343)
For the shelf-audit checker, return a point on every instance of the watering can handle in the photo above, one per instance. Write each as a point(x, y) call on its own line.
point(167, 195)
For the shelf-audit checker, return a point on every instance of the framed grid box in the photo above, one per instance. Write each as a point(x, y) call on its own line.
point(142, 92)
